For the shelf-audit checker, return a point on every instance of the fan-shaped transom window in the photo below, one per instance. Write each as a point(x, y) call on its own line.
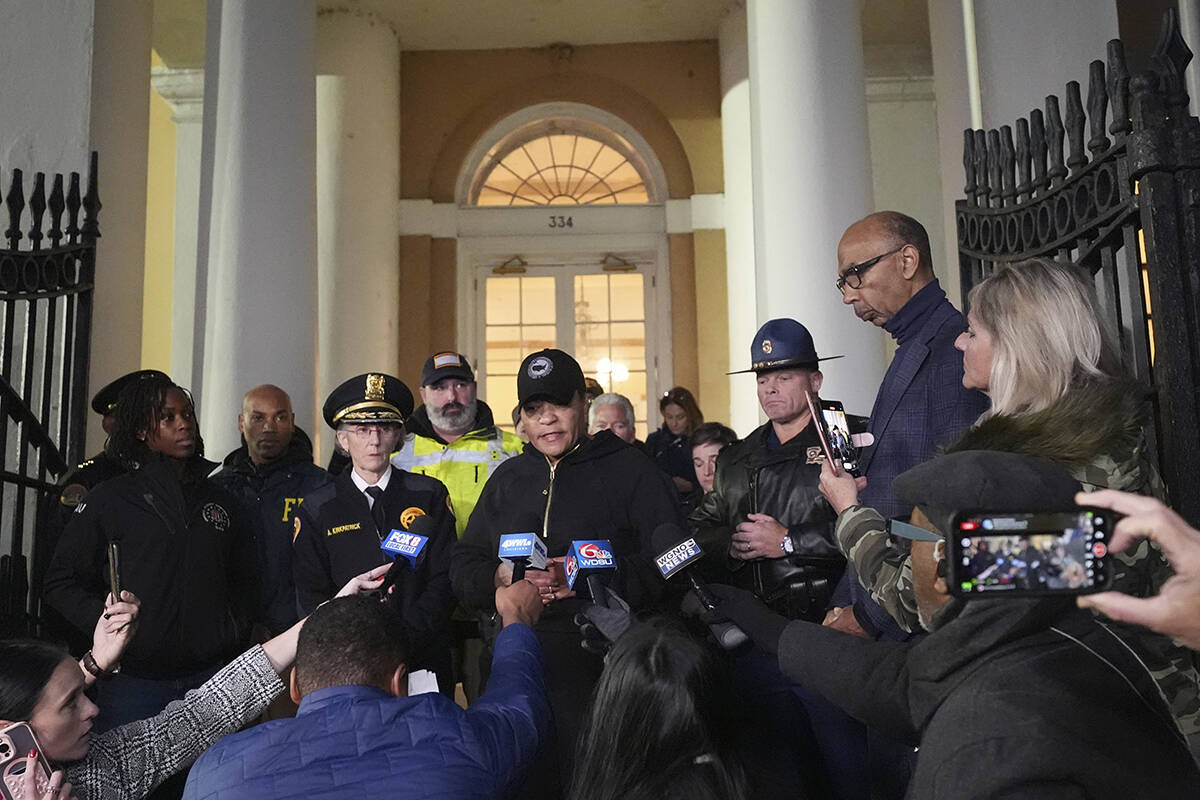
point(562, 169)
point(582, 157)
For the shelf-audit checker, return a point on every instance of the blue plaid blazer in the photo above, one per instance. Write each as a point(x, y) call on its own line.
point(921, 406)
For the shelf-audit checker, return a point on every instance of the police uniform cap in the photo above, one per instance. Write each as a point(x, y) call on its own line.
point(782, 344)
point(105, 401)
point(370, 397)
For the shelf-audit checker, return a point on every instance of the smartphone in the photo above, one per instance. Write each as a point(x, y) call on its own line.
point(15, 743)
point(833, 429)
point(114, 569)
point(1030, 553)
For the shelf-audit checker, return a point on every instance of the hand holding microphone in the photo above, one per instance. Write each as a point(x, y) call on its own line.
point(678, 553)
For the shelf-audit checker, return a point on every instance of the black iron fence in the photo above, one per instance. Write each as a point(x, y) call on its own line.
point(1123, 203)
point(47, 269)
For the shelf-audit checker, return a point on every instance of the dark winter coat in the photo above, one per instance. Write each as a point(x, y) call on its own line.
point(1007, 699)
point(185, 553)
point(270, 494)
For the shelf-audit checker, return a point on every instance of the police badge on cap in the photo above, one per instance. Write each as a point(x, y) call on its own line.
point(782, 344)
point(370, 397)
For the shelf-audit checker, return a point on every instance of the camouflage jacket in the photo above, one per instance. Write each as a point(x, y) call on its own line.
point(1107, 451)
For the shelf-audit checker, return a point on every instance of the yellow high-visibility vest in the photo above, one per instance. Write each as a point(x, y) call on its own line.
point(463, 466)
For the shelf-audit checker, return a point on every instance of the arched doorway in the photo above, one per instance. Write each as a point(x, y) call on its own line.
point(562, 243)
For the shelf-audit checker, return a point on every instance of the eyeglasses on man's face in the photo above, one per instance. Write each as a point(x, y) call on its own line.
point(853, 276)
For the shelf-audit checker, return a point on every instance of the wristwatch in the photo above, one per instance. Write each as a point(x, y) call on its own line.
point(786, 545)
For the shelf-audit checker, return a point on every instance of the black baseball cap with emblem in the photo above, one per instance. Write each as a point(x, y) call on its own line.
point(105, 401)
point(446, 365)
point(370, 397)
point(550, 374)
point(782, 344)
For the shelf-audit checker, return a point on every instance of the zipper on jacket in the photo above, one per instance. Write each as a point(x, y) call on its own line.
point(549, 497)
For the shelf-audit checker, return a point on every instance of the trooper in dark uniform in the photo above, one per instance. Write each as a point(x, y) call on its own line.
point(341, 527)
point(72, 489)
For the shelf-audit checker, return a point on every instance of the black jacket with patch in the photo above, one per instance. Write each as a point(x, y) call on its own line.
point(184, 552)
point(336, 539)
point(270, 495)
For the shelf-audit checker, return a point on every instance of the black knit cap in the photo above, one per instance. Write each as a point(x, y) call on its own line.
point(985, 480)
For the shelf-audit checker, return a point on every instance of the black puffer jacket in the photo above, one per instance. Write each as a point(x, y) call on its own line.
point(185, 553)
point(603, 489)
point(783, 483)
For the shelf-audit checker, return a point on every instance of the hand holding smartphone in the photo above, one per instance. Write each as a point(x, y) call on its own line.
point(17, 742)
point(833, 429)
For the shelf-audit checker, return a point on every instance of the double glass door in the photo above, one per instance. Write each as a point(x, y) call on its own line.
point(596, 313)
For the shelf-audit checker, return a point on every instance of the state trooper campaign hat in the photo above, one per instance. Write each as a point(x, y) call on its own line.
point(551, 374)
point(370, 397)
point(782, 344)
point(984, 480)
point(105, 400)
point(446, 365)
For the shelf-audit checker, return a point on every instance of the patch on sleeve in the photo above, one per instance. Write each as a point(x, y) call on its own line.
point(450, 506)
point(73, 494)
point(215, 515)
point(814, 455)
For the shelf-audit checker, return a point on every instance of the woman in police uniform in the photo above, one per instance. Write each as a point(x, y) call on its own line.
point(340, 528)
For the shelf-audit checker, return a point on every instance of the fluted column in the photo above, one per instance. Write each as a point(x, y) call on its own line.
point(183, 89)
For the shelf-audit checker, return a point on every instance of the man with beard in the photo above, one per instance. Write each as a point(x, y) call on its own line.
point(453, 437)
point(271, 473)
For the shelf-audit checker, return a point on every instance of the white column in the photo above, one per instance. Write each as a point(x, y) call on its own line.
point(183, 89)
point(739, 215)
point(260, 305)
point(812, 178)
point(120, 133)
point(1189, 27)
point(358, 196)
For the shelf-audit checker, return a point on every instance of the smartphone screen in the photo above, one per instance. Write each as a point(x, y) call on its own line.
point(834, 431)
point(1030, 553)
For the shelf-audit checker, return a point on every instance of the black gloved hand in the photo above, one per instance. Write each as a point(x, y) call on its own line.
point(599, 627)
point(761, 624)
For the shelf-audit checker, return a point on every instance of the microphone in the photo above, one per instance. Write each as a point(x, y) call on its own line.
point(592, 560)
point(522, 550)
point(678, 552)
point(406, 547)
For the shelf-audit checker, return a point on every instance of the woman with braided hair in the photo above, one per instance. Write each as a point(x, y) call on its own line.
point(183, 550)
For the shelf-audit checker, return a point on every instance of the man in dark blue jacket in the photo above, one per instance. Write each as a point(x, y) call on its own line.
point(358, 733)
point(271, 474)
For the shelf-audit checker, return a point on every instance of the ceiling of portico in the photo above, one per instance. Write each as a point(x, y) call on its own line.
point(895, 32)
